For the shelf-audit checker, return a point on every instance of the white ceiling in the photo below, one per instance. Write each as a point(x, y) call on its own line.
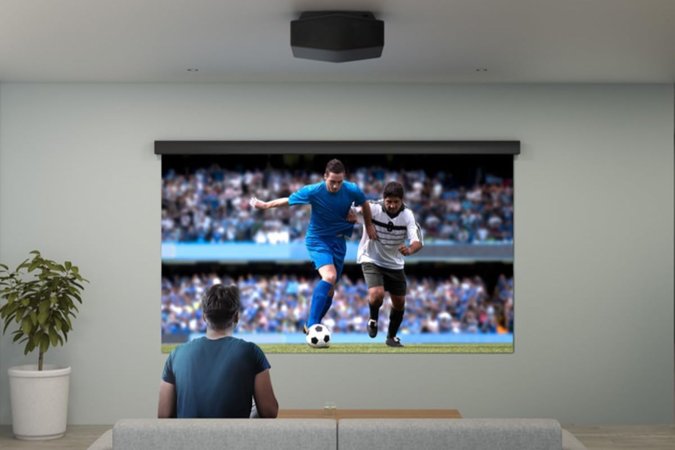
point(425, 41)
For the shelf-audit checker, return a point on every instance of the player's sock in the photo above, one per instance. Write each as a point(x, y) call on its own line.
point(326, 307)
point(395, 319)
point(374, 311)
point(319, 299)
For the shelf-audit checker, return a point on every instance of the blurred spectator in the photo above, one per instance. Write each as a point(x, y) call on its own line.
point(279, 303)
point(211, 205)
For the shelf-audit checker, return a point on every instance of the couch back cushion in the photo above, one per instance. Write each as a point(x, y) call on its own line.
point(446, 434)
point(207, 434)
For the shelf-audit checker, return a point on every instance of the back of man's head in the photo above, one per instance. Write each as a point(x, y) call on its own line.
point(220, 306)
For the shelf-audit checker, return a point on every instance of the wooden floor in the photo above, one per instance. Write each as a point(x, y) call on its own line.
point(78, 437)
point(634, 437)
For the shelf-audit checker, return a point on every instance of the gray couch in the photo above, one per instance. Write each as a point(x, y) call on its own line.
point(344, 434)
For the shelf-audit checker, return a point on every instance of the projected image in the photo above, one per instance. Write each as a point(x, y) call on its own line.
point(342, 253)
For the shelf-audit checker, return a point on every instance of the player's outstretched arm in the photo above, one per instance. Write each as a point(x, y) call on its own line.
point(354, 215)
point(414, 237)
point(259, 204)
point(414, 247)
point(368, 221)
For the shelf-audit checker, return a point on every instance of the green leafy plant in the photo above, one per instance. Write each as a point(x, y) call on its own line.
point(40, 297)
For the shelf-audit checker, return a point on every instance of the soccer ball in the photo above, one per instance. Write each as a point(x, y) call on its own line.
point(318, 336)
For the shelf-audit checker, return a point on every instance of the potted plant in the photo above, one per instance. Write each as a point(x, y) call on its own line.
point(39, 299)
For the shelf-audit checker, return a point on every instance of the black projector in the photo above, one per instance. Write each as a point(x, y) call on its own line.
point(337, 36)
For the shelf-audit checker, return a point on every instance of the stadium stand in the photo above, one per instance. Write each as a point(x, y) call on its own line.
point(210, 205)
point(279, 304)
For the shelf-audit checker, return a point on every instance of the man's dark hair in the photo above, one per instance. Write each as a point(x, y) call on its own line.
point(220, 305)
point(393, 189)
point(335, 166)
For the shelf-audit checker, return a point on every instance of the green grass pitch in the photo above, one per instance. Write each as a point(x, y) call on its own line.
point(378, 348)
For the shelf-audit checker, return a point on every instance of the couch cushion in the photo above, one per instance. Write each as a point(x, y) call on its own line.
point(206, 434)
point(455, 434)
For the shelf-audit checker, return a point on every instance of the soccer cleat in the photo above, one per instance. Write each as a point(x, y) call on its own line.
point(304, 328)
point(393, 342)
point(372, 328)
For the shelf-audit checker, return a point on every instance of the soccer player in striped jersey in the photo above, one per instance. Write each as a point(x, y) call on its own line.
point(382, 259)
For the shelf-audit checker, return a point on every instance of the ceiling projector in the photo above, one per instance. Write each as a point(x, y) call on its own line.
point(337, 36)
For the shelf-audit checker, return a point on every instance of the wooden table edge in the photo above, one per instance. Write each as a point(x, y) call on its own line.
point(349, 413)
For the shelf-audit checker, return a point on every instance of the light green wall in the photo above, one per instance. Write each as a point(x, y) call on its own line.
point(593, 258)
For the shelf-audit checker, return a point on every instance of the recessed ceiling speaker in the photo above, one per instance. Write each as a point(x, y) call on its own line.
point(337, 36)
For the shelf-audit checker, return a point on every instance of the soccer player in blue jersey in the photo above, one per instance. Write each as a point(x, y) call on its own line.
point(331, 201)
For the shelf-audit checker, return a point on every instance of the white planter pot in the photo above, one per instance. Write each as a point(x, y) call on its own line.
point(39, 400)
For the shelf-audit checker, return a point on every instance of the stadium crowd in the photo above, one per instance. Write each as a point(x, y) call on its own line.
point(279, 303)
point(210, 205)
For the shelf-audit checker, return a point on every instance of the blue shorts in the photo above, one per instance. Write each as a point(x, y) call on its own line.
point(325, 251)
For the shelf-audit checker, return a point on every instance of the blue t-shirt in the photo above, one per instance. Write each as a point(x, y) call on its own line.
point(214, 378)
point(329, 210)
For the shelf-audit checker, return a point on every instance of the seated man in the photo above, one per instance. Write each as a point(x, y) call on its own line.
point(218, 375)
